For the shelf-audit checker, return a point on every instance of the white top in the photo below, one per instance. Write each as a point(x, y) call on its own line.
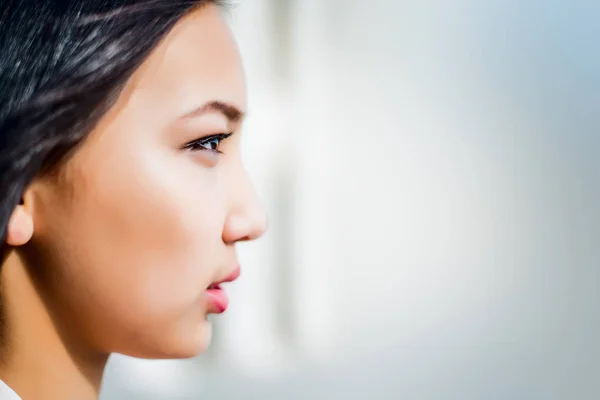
point(6, 393)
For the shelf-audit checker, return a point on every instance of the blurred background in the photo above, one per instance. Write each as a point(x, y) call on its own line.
point(432, 173)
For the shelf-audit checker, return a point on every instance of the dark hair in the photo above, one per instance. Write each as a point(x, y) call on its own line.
point(62, 64)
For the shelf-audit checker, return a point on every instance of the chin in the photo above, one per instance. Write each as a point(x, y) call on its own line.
point(185, 344)
point(194, 344)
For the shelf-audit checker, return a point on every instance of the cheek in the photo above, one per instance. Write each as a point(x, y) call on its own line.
point(164, 223)
point(142, 238)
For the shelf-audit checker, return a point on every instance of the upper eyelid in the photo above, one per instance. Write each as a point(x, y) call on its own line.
point(220, 136)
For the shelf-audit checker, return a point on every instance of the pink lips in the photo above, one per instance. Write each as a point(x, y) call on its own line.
point(216, 296)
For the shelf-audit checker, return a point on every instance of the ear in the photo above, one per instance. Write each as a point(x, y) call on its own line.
point(20, 226)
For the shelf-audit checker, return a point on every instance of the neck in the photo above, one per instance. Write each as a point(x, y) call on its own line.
point(38, 360)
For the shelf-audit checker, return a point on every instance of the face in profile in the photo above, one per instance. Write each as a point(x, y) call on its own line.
point(133, 233)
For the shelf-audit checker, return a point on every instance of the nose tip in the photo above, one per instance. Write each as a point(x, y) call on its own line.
point(257, 225)
point(260, 226)
point(245, 227)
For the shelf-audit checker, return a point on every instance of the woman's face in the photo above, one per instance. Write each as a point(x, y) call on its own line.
point(144, 217)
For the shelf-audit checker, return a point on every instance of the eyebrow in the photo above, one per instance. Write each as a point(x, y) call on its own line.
point(232, 113)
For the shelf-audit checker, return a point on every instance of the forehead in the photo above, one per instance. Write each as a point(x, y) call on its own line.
point(197, 62)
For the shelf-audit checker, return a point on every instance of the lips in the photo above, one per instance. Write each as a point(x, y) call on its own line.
point(218, 300)
point(230, 278)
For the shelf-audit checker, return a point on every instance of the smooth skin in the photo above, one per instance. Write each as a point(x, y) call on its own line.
point(113, 251)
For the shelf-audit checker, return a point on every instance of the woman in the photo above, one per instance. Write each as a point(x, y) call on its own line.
point(122, 189)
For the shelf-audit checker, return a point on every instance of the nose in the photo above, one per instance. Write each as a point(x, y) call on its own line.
point(247, 219)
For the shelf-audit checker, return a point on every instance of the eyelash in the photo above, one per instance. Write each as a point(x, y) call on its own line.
point(200, 144)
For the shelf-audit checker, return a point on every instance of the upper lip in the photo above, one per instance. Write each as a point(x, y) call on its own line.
point(233, 275)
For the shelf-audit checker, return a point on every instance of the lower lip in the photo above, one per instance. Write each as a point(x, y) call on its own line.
point(217, 300)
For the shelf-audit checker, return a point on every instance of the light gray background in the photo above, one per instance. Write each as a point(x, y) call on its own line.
point(432, 172)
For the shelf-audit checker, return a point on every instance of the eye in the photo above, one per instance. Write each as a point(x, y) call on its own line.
point(208, 143)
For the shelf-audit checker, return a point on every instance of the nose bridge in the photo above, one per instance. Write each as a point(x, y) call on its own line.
point(245, 196)
point(247, 218)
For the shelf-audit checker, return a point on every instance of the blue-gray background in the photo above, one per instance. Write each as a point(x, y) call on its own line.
point(431, 170)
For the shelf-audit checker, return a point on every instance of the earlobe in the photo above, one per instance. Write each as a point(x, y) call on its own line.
point(20, 227)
